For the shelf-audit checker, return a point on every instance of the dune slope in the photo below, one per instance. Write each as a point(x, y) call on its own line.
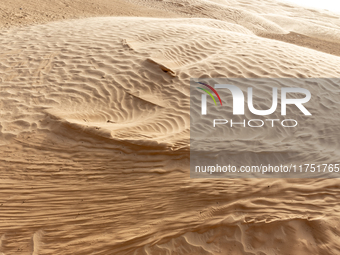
point(94, 148)
point(95, 131)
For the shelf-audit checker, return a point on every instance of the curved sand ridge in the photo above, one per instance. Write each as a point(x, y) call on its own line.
point(89, 74)
point(95, 140)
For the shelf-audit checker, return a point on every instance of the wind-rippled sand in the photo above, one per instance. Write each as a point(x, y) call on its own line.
point(94, 133)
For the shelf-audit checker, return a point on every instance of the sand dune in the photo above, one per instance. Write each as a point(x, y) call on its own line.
point(95, 131)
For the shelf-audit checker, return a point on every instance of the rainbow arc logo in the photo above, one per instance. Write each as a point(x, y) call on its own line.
point(209, 93)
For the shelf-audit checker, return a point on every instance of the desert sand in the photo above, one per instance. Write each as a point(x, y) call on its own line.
point(94, 128)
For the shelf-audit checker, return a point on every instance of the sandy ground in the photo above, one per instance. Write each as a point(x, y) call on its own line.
point(22, 13)
point(94, 134)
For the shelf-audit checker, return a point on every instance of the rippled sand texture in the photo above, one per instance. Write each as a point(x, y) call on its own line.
point(94, 148)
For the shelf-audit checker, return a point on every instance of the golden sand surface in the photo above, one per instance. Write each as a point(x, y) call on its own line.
point(94, 128)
